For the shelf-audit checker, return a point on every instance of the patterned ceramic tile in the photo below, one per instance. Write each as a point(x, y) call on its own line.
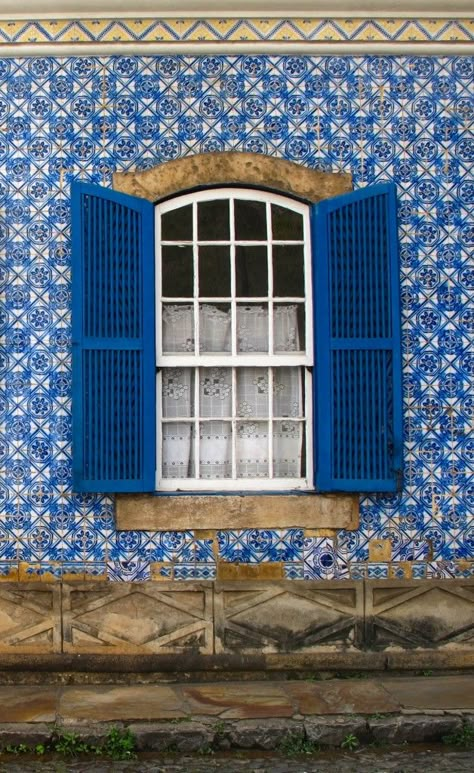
point(407, 119)
point(194, 572)
point(358, 571)
point(255, 545)
point(320, 560)
point(377, 571)
point(294, 571)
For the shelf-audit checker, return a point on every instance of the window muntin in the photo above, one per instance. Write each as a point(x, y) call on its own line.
point(234, 314)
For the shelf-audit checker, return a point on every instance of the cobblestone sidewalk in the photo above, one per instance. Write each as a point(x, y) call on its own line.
point(364, 761)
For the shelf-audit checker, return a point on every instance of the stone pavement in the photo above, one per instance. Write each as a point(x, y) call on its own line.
point(259, 715)
point(363, 761)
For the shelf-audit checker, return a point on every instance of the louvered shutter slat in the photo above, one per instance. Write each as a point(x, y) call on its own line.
point(113, 341)
point(358, 426)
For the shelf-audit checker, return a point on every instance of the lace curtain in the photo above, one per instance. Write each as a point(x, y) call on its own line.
point(251, 444)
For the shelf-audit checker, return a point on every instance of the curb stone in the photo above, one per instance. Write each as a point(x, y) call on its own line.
point(165, 736)
point(30, 734)
point(413, 729)
point(255, 734)
point(258, 734)
point(331, 731)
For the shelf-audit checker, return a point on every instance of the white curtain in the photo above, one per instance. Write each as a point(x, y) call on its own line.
point(215, 397)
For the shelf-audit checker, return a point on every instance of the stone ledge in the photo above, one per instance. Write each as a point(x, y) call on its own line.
point(221, 512)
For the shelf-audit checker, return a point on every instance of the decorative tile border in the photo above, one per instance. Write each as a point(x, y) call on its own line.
point(76, 32)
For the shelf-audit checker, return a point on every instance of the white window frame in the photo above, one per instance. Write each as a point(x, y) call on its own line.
point(234, 359)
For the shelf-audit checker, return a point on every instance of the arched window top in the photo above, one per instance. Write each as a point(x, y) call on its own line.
point(233, 268)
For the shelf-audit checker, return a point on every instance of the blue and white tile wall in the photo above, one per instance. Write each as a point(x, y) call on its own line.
point(404, 118)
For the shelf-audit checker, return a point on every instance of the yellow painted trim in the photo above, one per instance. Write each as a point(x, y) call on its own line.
point(77, 32)
point(262, 571)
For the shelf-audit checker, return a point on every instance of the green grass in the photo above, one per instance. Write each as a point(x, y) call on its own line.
point(463, 737)
point(118, 744)
point(293, 745)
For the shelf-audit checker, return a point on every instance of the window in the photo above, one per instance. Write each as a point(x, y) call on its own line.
point(234, 342)
point(252, 290)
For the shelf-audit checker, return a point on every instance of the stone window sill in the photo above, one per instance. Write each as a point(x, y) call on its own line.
point(236, 511)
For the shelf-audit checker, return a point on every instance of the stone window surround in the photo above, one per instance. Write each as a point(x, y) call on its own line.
point(162, 512)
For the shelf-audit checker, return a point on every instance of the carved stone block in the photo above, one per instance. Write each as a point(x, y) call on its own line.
point(30, 618)
point(432, 613)
point(138, 618)
point(288, 616)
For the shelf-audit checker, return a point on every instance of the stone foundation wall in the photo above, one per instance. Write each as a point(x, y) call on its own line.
point(239, 625)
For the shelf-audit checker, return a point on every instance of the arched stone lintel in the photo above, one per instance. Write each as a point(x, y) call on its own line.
point(232, 168)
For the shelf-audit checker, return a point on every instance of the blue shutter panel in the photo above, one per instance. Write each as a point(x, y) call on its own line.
point(358, 409)
point(113, 341)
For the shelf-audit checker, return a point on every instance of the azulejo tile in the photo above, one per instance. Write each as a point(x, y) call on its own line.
point(294, 572)
point(194, 572)
point(406, 119)
point(377, 571)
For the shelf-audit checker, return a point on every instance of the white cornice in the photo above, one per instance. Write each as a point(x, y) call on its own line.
point(80, 9)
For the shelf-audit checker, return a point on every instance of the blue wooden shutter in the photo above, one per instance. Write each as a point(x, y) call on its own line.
point(113, 341)
point(358, 411)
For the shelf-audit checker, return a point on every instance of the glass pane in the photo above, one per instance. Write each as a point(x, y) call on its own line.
point(213, 221)
point(252, 393)
point(177, 225)
point(251, 271)
point(250, 221)
point(215, 327)
point(215, 449)
point(288, 270)
point(286, 224)
point(177, 450)
point(177, 271)
point(288, 327)
point(215, 392)
point(252, 449)
point(214, 271)
point(177, 389)
point(288, 392)
point(178, 328)
point(287, 449)
point(252, 328)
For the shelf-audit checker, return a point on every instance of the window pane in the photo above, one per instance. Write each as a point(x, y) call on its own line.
point(215, 328)
point(288, 270)
point(286, 224)
point(177, 393)
point(250, 221)
point(215, 449)
point(252, 393)
point(213, 221)
point(252, 328)
point(178, 328)
point(177, 450)
point(287, 449)
point(177, 225)
point(251, 269)
point(252, 449)
point(287, 392)
point(214, 271)
point(288, 327)
point(215, 392)
point(177, 271)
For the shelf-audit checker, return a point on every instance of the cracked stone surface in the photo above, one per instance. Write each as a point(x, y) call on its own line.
point(437, 692)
